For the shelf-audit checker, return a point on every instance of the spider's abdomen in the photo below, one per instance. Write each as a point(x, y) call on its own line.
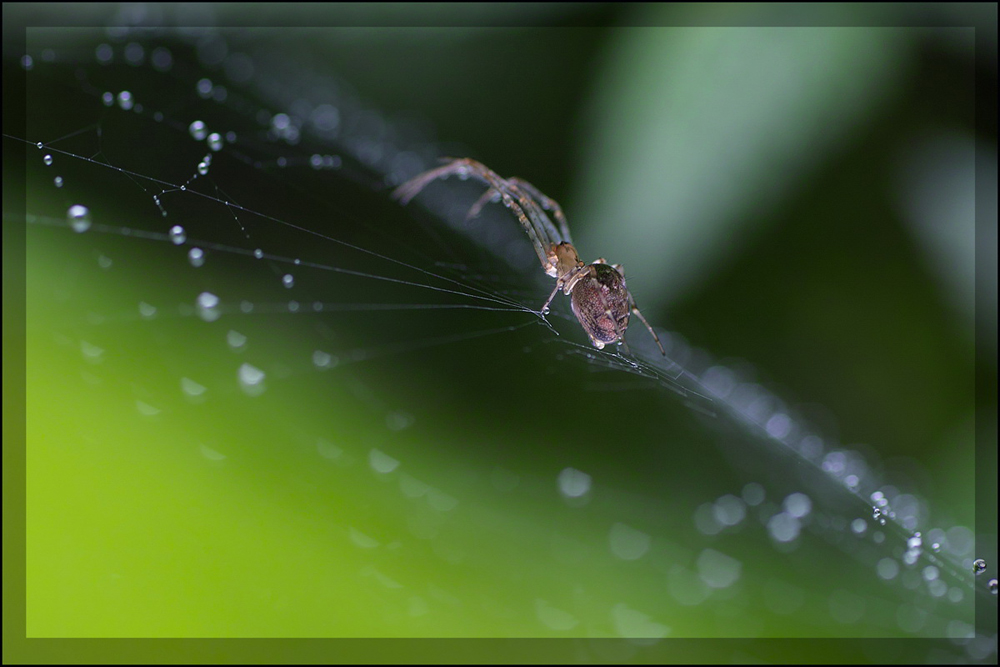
point(601, 302)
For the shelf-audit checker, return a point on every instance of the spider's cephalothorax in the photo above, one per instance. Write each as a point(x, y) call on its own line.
point(598, 295)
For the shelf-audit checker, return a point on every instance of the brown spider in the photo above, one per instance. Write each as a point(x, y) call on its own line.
point(598, 295)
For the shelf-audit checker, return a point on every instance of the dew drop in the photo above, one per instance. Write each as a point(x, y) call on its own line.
point(573, 483)
point(235, 340)
point(207, 300)
point(79, 218)
point(258, 253)
point(27, 62)
point(104, 54)
point(197, 257)
point(215, 141)
point(203, 168)
point(125, 100)
point(323, 359)
point(39, 145)
point(108, 99)
point(251, 379)
point(58, 181)
point(47, 159)
point(177, 235)
point(979, 566)
point(288, 280)
point(197, 130)
point(204, 87)
point(992, 585)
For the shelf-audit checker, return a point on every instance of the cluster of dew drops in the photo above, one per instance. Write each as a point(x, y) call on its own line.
point(881, 512)
point(79, 219)
point(979, 566)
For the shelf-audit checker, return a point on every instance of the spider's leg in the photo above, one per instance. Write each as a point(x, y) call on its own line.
point(546, 203)
point(635, 310)
point(527, 210)
point(529, 214)
point(545, 306)
point(490, 195)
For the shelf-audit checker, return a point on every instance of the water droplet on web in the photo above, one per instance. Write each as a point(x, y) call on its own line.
point(992, 585)
point(134, 53)
point(323, 359)
point(382, 462)
point(859, 526)
point(27, 62)
point(78, 217)
point(236, 340)
point(887, 569)
point(573, 483)
point(231, 137)
point(125, 100)
point(288, 280)
point(104, 54)
point(58, 181)
point(104, 262)
point(798, 505)
point(146, 410)
point(177, 235)
point(47, 159)
point(204, 87)
point(628, 543)
point(191, 388)
point(717, 570)
point(208, 304)
point(251, 379)
point(146, 311)
point(211, 454)
point(197, 257)
point(162, 59)
point(258, 253)
point(979, 566)
point(753, 494)
point(729, 510)
point(397, 421)
point(39, 145)
point(197, 130)
point(108, 99)
point(293, 306)
point(215, 141)
point(783, 527)
point(203, 168)
point(91, 353)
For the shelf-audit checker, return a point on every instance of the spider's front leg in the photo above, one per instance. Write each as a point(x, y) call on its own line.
point(407, 191)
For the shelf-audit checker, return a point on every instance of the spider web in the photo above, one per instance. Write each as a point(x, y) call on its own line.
point(238, 343)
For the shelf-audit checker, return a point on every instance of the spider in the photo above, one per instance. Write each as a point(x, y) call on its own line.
point(598, 295)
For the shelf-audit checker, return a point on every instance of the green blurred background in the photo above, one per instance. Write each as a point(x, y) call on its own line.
point(795, 198)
